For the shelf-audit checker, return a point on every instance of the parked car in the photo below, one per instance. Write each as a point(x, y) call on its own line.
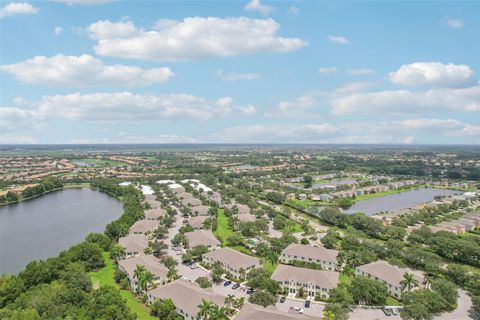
point(193, 266)
point(185, 221)
point(235, 286)
point(307, 304)
point(250, 290)
point(387, 312)
point(301, 311)
point(227, 283)
point(282, 299)
point(394, 311)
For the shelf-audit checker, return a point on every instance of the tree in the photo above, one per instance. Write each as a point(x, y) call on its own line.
point(341, 295)
point(169, 262)
point(203, 282)
point(409, 281)
point(145, 280)
point(172, 274)
point(275, 197)
point(74, 276)
point(117, 252)
point(263, 298)
point(107, 303)
point(160, 232)
point(25, 314)
point(345, 203)
point(307, 181)
point(447, 290)
point(367, 291)
point(158, 248)
point(165, 310)
point(205, 308)
point(217, 272)
point(416, 311)
point(476, 304)
point(10, 288)
point(336, 311)
point(218, 313)
point(99, 238)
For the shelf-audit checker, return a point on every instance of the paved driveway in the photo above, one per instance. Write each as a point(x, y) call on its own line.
point(315, 310)
point(463, 311)
point(371, 314)
point(224, 291)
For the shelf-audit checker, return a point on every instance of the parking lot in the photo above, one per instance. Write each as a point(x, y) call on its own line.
point(371, 314)
point(315, 309)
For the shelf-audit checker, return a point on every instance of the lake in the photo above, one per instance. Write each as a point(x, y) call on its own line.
point(398, 201)
point(44, 226)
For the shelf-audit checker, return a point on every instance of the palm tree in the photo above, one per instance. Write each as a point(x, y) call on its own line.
point(205, 308)
point(117, 252)
point(218, 313)
point(172, 274)
point(408, 281)
point(145, 280)
point(427, 282)
point(272, 256)
point(138, 274)
point(229, 300)
point(242, 273)
point(239, 302)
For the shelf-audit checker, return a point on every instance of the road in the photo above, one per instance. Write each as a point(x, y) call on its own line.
point(464, 308)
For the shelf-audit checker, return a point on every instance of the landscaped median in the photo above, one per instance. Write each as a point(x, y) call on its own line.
point(105, 276)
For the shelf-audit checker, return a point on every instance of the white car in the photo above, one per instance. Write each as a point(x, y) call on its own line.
point(301, 311)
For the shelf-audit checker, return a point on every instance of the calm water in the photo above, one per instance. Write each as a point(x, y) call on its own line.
point(44, 226)
point(398, 201)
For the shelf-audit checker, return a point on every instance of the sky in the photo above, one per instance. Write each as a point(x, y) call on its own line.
point(99, 71)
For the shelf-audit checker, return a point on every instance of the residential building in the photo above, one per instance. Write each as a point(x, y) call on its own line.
point(327, 258)
point(234, 262)
point(255, 312)
point(202, 238)
point(150, 263)
point(154, 214)
point(313, 282)
point(133, 244)
point(186, 297)
point(197, 222)
point(389, 274)
point(200, 210)
point(143, 227)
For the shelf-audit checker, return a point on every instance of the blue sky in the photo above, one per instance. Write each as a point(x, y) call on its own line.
point(238, 71)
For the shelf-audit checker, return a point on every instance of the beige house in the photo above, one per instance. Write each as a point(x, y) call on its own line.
point(246, 217)
point(154, 214)
point(186, 297)
point(133, 244)
point(197, 222)
point(151, 199)
point(200, 210)
point(150, 263)
point(327, 258)
point(234, 262)
point(143, 227)
point(312, 281)
point(390, 275)
point(202, 238)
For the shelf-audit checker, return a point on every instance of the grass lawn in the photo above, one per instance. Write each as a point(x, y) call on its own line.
point(392, 302)
point(343, 278)
point(269, 266)
point(223, 230)
point(105, 275)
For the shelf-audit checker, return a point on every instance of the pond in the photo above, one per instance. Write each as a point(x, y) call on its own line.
point(398, 201)
point(44, 226)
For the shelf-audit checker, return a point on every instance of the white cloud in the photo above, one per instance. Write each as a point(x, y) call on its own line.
point(57, 30)
point(454, 23)
point(83, 2)
point(305, 106)
point(293, 10)
point(126, 106)
point(407, 102)
point(85, 70)
point(255, 5)
point(190, 39)
point(433, 73)
point(233, 76)
point(360, 72)
point(17, 119)
point(338, 39)
point(16, 139)
point(127, 138)
point(14, 8)
point(405, 131)
point(326, 70)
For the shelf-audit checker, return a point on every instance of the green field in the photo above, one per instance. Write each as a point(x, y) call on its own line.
point(105, 275)
point(392, 302)
point(223, 230)
point(269, 266)
point(346, 279)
